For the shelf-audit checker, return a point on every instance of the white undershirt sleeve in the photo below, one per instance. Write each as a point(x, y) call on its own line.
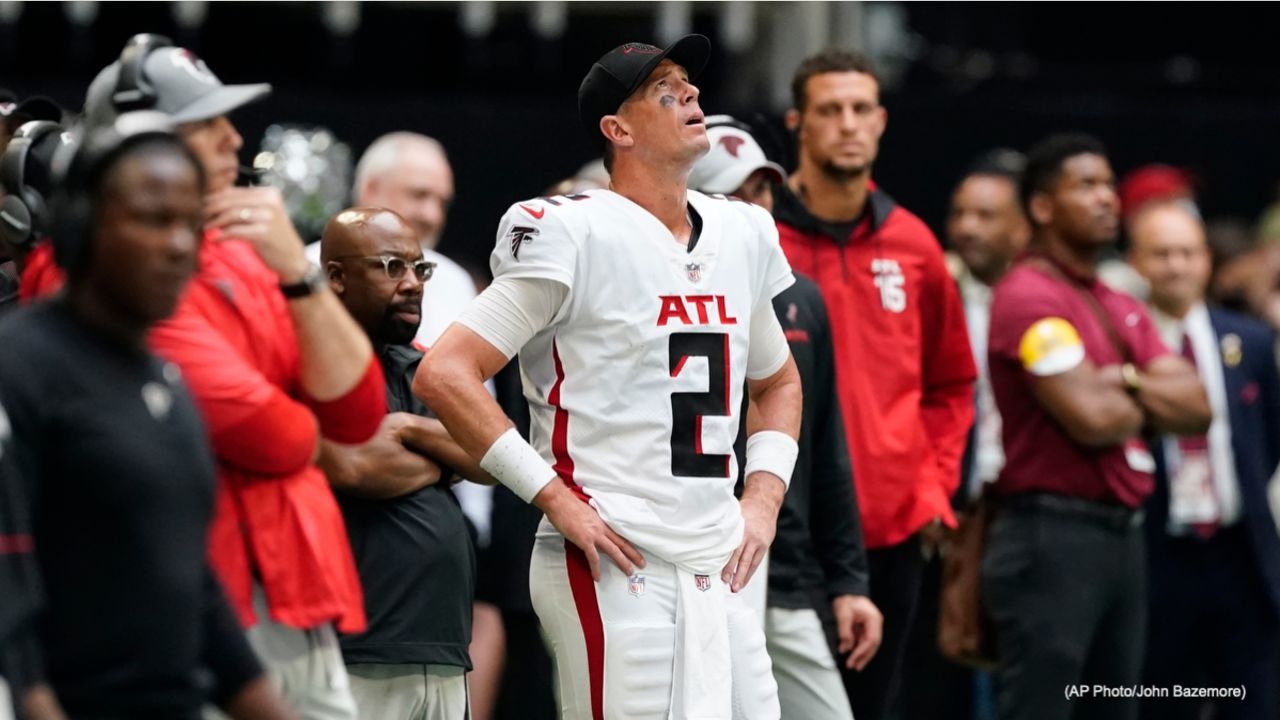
point(513, 309)
point(768, 350)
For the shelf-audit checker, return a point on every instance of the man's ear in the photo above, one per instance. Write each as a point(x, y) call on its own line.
point(1040, 209)
point(792, 119)
point(337, 280)
point(616, 131)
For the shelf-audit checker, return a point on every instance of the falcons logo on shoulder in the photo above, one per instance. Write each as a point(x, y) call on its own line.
point(519, 235)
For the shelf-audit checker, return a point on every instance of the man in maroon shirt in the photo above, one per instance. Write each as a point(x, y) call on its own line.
point(904, 371)
point(1078, 372)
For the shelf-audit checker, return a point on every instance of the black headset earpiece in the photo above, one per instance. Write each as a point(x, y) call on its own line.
point(77, 168)
point(24, 214)
point(133, 90)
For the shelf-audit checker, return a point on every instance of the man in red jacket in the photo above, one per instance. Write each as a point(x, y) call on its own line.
point(904, 371)
point(274, 362)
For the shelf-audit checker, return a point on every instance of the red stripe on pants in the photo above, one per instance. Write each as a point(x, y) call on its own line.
point(584, 597)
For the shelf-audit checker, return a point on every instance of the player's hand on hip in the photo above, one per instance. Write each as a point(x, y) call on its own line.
point(761, 498)
point(859, 627)
point(581, 525)
point(258, 216)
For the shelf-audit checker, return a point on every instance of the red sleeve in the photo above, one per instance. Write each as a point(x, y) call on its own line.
point(947, 367)
point(252, 424)
point(41, 277)
point(354, 417)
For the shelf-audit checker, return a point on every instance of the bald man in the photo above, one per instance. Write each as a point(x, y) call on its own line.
point(411, 544)
point(1212, 545)
point(410, 174)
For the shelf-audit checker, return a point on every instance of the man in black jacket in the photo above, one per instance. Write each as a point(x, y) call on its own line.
point(817, 556)
point(118, 478)
point(411, 544)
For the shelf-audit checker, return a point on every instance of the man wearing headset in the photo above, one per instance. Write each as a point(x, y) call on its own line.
point(274, 363)
point(26, 184)
point(125, 618)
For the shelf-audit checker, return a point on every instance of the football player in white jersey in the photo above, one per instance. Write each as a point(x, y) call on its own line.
point(638, 312)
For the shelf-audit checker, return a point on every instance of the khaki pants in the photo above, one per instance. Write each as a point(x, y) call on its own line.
point(410, 691)
point(304, 666)
point(809, 685)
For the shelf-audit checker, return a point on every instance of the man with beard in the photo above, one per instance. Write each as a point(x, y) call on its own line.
point(411, 544)
point(904, 370)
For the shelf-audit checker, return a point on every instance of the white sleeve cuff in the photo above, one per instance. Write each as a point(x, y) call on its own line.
point(773, 452)
point(517, 465)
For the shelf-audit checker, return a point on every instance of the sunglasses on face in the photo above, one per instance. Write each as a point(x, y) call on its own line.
point(395, 267)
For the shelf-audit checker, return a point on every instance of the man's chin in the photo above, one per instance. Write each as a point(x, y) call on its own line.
point(844, 172)
point(398, 332)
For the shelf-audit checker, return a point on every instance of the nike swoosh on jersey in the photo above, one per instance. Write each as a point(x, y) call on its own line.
point(536, 213)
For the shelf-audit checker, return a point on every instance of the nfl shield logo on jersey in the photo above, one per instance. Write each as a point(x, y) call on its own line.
point(695, 271)
point(702, 582)
point(635, 584)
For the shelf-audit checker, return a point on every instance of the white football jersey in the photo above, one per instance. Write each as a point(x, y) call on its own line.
point(635, 388)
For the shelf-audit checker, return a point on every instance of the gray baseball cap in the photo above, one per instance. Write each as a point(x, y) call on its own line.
point(185, 89)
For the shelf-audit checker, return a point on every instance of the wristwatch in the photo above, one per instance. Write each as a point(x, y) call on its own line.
point(1132, 380)
point(313, 281)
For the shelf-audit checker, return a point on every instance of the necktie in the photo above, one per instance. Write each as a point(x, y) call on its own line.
point(1197, 447)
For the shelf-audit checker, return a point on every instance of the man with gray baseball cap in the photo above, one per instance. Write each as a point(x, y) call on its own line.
point(274, 362)
point(152, 73)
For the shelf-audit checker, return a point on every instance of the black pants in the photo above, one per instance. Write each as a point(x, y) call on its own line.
point(933, 687)
point(527, 690)
point(1212, 625)
point(895, 589)
point(1064, 582)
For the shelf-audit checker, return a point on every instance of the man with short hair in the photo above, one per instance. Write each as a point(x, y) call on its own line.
point(904, 369)
point(640, 313)
point(274, 362)
point(411, 543)
point(987, 230)
point(113, 470)
point(817, 558)
point(1078, 371)
point(1212, 545)
point(410, 174)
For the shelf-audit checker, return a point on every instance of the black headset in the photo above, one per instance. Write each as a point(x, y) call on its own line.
point(77, 170)
point(24, 214)
point(133, 90)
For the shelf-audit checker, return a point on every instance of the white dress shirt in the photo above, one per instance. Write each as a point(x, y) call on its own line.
point(1204, 345)
point(989, 447)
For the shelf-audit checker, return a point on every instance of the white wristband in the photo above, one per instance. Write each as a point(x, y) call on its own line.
point(517, 465)
point(772, 452)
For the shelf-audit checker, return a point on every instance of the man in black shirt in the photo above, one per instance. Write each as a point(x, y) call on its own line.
point(119, 480)
point(817, 556)
point(407, 530)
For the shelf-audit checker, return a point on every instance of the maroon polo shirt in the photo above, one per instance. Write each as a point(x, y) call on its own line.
point(1039, 455)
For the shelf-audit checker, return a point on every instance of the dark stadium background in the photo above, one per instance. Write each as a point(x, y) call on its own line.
point(1197, 85)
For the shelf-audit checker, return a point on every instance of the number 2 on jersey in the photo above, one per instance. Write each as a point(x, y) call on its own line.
point(688, 408)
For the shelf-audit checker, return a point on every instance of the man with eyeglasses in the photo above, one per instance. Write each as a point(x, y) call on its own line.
point(410, 541)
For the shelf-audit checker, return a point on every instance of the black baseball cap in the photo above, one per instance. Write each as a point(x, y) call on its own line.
point(622, 70)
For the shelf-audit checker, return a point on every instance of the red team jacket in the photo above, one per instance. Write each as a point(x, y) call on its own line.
point(904, 370)
point(275, 516)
